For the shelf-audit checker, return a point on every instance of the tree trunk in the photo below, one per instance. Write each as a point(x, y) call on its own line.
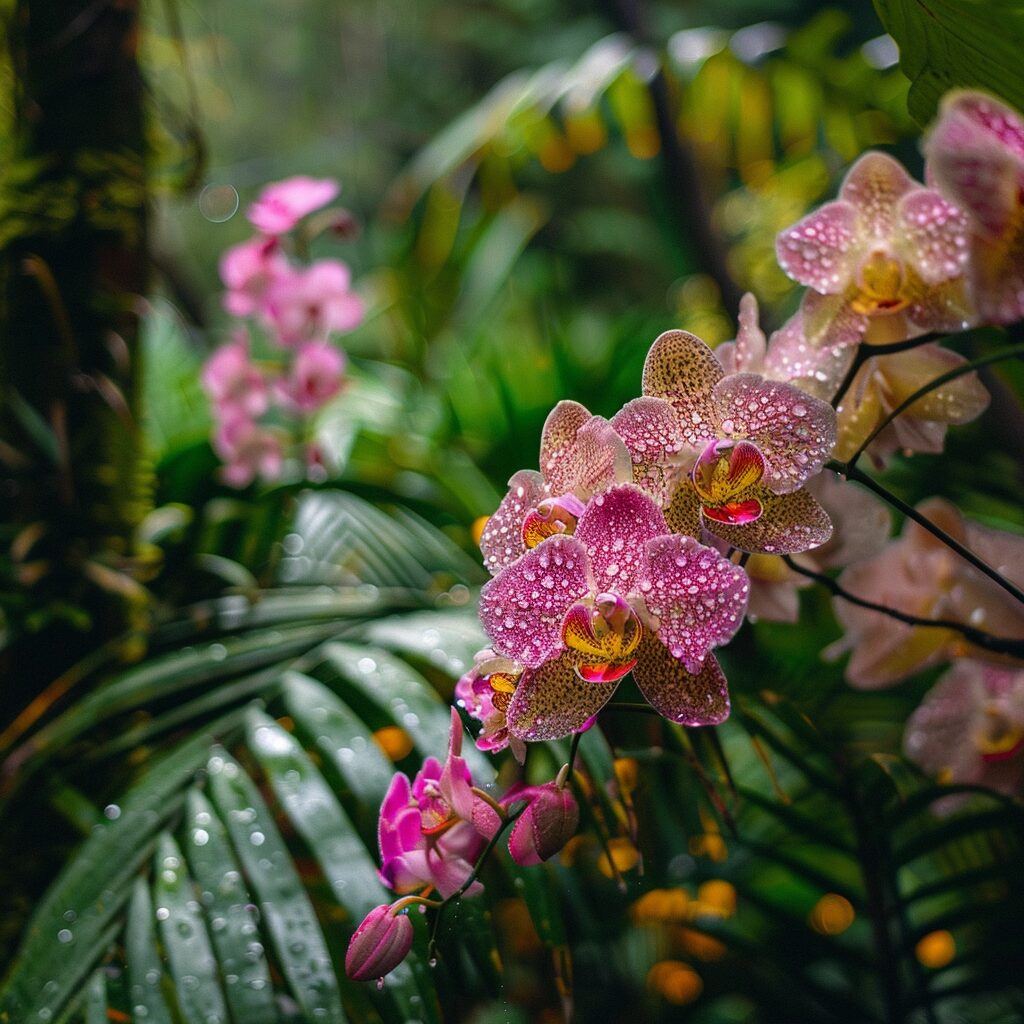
point(72, 273)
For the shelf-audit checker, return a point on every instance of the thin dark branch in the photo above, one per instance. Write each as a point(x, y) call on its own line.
point(854, 473)
point(978, 637)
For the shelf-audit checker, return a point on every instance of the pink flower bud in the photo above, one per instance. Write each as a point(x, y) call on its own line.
point(548, 823)
point(379, 944)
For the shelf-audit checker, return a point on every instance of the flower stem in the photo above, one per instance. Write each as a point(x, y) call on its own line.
point(923, 521)
point(978, 637)
point(866, 352)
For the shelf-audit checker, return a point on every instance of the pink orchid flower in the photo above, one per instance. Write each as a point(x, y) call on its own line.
point(485, 692)
point(248, 451)
point(282, 205)
point(580, 454)
point(549, 821)
point(308, 304)
point(233, 382)
point(316, 376)
point(975, 154)
point(728, 453)
point(884, 262)
point(917, 574)
point(432, 830)
point(970, 727)
point(380, 943)
point(248, 271)
point(621, 594)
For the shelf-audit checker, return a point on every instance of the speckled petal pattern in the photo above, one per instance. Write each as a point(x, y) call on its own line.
point(501, 542)
point(698, 597)
point(557, 437)
point(932, 234)
point(818, 371)
point(681, 368)
point(818, 251)
point(678, 695)
point(614, 531)
point(523, 606)
point(794, 431)
point(873, 185)
point(789, 524)
point(683, 512)
point(650, 429)
point(552, 701)
point(597, 460)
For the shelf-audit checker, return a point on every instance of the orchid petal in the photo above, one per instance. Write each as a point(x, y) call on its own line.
point(678, 695)
point(831, 320)
point(580, 453)
point(683, 513)
point(794, 431)
point(818, 370)
point(502, 539)
point(613, 530)
point(681, 368)
point(522, 608)
point(788, 524)
point(932, 234)
point(873, 185)
point(552, 701)
point(819, 251)
point(650, 429)
point(698, 596)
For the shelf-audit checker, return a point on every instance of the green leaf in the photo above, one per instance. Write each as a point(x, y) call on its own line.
point(185, 938)
point(145, 969)
point(946, 44)
point(288, 914)
point(228, 908)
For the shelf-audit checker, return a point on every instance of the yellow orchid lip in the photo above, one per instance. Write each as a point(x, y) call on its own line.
point(603, 636)
point(724, 473)
point(503, 686)
point(881, 286)
point(551, 517)
point(1000, 740)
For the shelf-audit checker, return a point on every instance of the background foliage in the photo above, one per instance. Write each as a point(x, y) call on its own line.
point(189, 811)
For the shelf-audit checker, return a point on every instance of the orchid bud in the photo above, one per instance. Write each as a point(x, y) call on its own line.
point(379, 944)
point(548, 823)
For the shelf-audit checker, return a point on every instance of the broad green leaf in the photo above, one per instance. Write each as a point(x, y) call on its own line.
point(228, 908)
point(145, 969)
point(287, 912)
point(945, 44)
point(185, 938)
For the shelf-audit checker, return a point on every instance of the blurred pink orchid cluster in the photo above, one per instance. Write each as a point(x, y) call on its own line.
point(260, 405)
point(433, 830)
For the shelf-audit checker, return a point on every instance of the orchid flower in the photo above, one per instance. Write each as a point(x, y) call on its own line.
point(884, 262)
point(485, 691)
point(282, 205)
point(975, 154)
point(580, 454)
point(970, 727)
point(728, 453)
point(919, 575)
point(315, 377)
point(233, 382)
point(310, 303)
point(432, 830)
point(621, 594)
point(248, 270)
point(248, 451)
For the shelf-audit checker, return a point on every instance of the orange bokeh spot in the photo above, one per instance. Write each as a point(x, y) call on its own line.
point(936, 949)
point(624, 856)
point(675, 981)
point(716, 897)
point(395, 742)
point(477, 529)
point(832, 914)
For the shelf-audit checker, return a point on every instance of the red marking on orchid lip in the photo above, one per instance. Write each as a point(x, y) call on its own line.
point(992, 755)
point(604, 673)
point(735, 513)
point(434, 830)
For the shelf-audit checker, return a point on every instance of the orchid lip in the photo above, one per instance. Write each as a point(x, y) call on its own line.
point(602, 634)
point(552, 516)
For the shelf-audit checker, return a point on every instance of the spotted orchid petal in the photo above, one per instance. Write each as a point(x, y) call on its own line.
point(933, 235)
point(650, 429)
point(873, 186)
point(831, 320)
point(553, 701)
point(959, 401)
point(818, 370)
point(788, 524)
point(682, 369)
point(613, 531)
point(794, 431)
point(975, 154)
point(502, 539)
point(683, 514)
point(522, 608)
point(697, 596)
point(680, 696)
point(819, 251)
point(581, 453)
